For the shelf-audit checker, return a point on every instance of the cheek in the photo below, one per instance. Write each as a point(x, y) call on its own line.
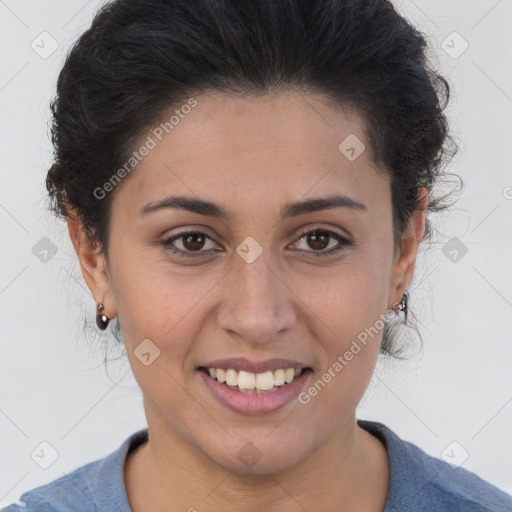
point(147, 297)
point(349, 297)
point(163, 309)
point(351, 352)
point(162, 303)
point(346, 312)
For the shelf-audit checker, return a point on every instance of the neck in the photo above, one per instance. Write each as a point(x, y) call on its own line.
point(350, 472)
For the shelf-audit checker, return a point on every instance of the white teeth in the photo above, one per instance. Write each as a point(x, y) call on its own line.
point(279, 377)
point(246, 380)
point(254, 382)
point(264, 381)
point(289, 375)
point(231, 377)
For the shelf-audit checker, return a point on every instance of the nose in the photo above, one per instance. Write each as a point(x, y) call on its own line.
point(257, 304)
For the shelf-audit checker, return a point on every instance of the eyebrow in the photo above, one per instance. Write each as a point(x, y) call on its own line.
point(289, 210)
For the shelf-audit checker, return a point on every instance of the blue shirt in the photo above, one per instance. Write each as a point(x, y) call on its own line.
point(418, 483)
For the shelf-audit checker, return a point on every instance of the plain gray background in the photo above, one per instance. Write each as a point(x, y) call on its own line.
point(454, 399)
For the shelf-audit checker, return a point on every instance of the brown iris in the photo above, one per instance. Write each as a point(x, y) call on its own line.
point(318, 241)
point(191, 243)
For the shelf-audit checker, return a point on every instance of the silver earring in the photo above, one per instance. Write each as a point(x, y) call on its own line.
point(102, 320)
point(403, 304)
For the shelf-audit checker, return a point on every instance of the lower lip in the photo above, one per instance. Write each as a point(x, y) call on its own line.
point(255, 403)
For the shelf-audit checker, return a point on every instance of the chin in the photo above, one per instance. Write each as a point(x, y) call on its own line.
point(258, 456)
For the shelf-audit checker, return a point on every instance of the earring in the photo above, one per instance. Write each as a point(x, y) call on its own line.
point(101, 320)
point(402, 305)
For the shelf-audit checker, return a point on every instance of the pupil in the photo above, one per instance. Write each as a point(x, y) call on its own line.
point(315, 238)
point(193, 246)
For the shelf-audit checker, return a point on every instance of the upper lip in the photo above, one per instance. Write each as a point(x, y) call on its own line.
point(240, 363)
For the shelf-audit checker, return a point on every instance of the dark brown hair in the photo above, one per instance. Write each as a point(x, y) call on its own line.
point(140, 58)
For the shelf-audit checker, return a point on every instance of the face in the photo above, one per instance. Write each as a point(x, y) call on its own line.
point(263, 282)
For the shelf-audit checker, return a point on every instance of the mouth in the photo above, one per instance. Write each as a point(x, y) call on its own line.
point(254, 383)
point(251, 393)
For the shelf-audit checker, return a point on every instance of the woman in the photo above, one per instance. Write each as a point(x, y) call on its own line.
point(246, 185)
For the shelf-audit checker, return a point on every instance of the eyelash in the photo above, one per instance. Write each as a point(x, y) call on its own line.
point(343, 243)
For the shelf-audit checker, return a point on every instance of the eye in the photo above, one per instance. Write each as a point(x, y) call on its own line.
point(191, 241)
point(319, 239)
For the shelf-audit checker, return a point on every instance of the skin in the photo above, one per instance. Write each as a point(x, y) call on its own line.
point(252, 155)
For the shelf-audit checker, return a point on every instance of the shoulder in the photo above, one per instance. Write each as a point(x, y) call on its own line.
point(98, 485)
point(421, 482)
point(69, 492)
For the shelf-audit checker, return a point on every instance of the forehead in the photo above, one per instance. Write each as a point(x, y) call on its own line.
point(264, 125)
point(244, 150)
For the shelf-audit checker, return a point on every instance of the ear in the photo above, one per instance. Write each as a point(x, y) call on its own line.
point(92, 263)
point(403, 267)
